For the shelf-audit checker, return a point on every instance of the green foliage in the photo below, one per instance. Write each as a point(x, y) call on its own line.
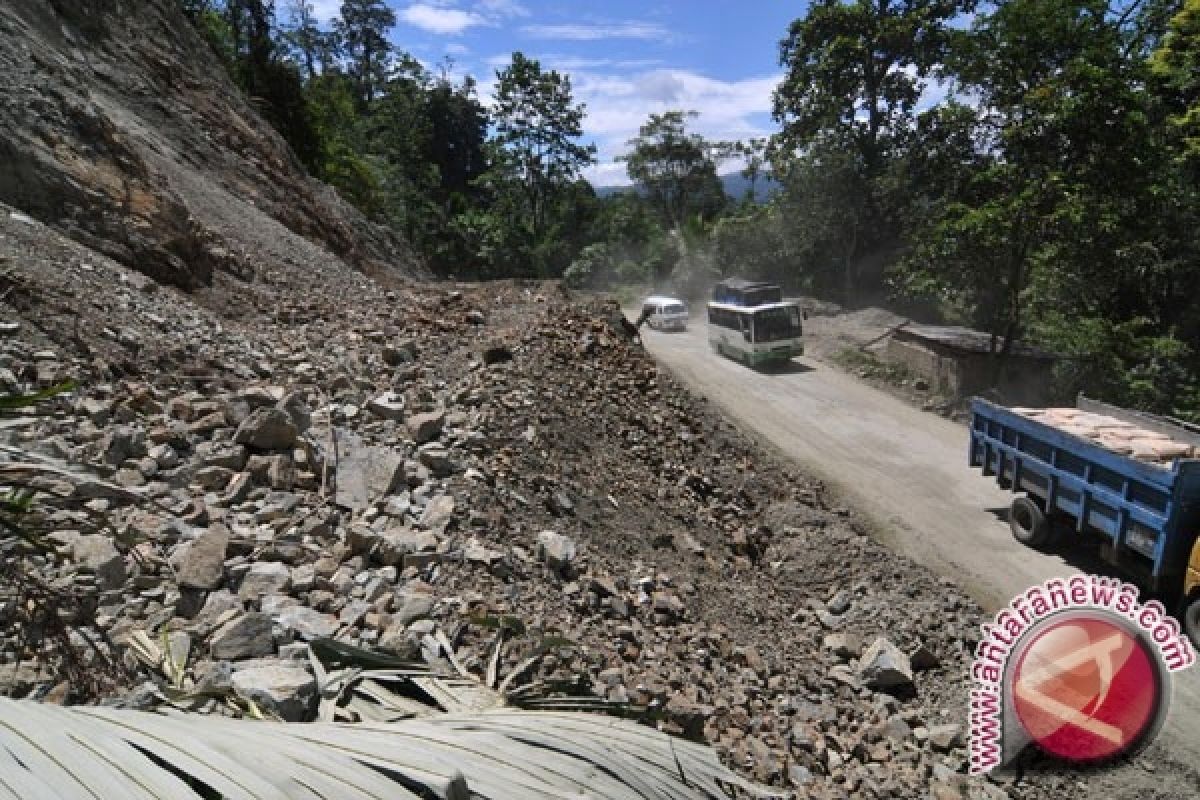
point(846, 108)
point(536, 159)
point(362, 29)
point(677, 169)
point(1176, 65)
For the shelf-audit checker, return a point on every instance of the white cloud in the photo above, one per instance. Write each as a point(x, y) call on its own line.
point(585, 32)
point(618, 105)
point(503, 8)
point(565, 63)
point(439, 19)
point(326, 10)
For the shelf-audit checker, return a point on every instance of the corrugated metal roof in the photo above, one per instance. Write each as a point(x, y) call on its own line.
point(966, 340)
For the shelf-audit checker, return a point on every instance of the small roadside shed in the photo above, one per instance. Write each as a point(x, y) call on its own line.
point(958, 362)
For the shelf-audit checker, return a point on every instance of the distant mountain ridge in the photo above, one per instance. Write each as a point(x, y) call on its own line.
point(736, 185)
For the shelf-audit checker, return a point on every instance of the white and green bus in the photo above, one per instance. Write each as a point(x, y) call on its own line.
point(754, 335)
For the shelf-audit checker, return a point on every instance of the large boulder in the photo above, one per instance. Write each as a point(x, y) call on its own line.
point(95, 553)
point(884, 667)
point(244, 636)
point(267, 429)
point(364, 473)
point(556, 550)
point(289, 692)
point(203, 565)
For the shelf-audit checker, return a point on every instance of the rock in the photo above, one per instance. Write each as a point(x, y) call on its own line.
point(556, 550)
point(437, 458)
point(400, 353)
point(265, 577)
point(840, 602)
point(412, 606)
point(426, 427)
point(944, 738)
point(267, 429)
point(895, 728)
point(400, 642)
point(496, 353)
point(388, 405)
point(213, 479)
point(393, 546)
point(799, 776)
point(221, 454)
point(924, 659)
point(295, 404)
point(438, 513)
point(364, 473)
point(844, 645)
point(245, 636)
point(307, 623)
point(669, 603)
point(203, 566)
point(885, 668)
point(96, 554)
point(476, 553)
point(288, 692)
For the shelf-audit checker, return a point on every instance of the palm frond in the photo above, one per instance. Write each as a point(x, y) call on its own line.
point(50, 751)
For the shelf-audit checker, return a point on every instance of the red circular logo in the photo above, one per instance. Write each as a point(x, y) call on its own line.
point(1086, 689)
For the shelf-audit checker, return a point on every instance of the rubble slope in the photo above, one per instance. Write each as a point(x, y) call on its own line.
point(430, 472)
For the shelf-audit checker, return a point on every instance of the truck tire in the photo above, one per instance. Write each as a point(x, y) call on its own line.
point(1191, 618)
point(1029, 523)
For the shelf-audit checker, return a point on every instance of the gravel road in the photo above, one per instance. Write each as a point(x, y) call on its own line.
point(905, 472)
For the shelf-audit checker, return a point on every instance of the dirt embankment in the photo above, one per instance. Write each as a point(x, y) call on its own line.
point(376, 464)
point(121, 129)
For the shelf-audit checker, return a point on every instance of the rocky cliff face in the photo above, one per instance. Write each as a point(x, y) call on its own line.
point(119, 127)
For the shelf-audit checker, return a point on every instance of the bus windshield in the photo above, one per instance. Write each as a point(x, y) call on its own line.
point(774, 324)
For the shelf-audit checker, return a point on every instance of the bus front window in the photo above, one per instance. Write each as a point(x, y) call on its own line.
point(777, 323)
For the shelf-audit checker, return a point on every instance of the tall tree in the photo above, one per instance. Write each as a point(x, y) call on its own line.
point(362, 31)
point(313, 48)
point(1176, 64)
point(854, 73)
point(677, 169)
point(538, 125)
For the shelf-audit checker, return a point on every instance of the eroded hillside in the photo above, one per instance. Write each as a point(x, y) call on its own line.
point(119, 128)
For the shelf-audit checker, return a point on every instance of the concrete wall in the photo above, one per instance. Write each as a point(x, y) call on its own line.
point(955, 374)
point(941, 372)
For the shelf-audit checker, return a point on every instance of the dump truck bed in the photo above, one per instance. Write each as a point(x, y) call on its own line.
point(1148, 512)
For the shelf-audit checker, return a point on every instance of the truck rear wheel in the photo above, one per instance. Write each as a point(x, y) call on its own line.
point(1030, 525)
point(1191, 618)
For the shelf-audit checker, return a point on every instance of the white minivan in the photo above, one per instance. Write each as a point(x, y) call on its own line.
point(665, 314)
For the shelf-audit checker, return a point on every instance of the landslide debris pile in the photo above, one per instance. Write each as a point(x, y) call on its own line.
point(119, 127)
point(453, 475)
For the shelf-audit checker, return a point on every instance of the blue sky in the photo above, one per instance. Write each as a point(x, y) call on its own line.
point(626, 59)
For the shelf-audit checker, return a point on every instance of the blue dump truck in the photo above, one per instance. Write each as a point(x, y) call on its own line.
point(1069, 477)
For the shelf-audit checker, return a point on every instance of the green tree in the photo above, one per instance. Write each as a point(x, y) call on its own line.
point(538, 125)
point(855, 71)
point(1176, 65)
point(676, 169)
point(362, 30)
point(314, 49)
point(846, 106)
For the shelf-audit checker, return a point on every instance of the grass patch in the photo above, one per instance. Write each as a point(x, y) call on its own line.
point(868, 365)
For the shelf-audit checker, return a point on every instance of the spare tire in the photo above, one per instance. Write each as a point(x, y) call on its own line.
point(1191, 618)
point(1029, 523)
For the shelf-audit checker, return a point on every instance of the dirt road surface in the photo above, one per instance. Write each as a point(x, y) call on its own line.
point(905, 471)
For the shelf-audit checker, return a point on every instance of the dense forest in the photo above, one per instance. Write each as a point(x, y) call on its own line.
point(1029, 168)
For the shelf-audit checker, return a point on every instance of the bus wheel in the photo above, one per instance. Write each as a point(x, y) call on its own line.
point(1191, 618)
point(1029, 523)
